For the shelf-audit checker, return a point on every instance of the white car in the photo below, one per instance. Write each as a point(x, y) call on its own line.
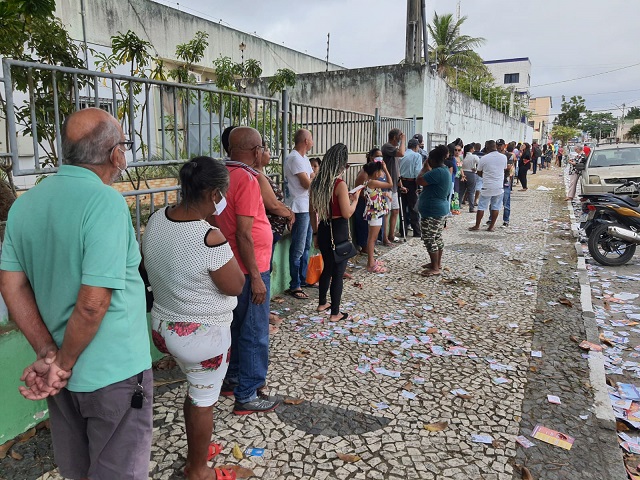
point(610, 166)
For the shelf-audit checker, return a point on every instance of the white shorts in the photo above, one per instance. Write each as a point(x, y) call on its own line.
point(375, 222)
point(395, 204)
point(493, 202)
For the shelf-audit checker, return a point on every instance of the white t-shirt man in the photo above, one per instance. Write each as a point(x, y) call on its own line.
point(492, 166)
point(298, 196)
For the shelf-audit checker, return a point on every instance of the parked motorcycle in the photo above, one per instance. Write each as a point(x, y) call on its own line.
point(612, 225)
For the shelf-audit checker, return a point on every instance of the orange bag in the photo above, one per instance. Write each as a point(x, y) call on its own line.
point(314, 269)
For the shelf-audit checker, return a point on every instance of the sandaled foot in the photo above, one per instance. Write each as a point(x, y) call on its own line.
point(377, 269)
point(474, 229)
point(427, 266)
point(273, 329)
point(347, 275)
point(219, 473)
point(323, 308)
point(339, 317)
point(298, 294)
point(431, 273)
point(491, 229)
point(275, 319)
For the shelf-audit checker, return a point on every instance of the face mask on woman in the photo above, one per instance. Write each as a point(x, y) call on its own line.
point(220, 206)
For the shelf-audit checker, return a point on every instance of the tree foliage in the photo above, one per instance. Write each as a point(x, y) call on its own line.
point(599, 124)
point(633, 113)
point(572, 111)
point(450, 49)
point(282, 79)
point(564, 133)
point(633, 133)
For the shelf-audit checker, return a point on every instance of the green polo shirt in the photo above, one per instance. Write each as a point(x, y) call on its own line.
point(72, 230)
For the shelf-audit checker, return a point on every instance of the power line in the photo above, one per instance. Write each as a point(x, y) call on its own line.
point(586, 76)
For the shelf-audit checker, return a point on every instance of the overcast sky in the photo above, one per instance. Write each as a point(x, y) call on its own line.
point(564, 39)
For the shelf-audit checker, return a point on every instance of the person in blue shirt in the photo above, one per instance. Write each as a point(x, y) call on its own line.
point(434, 206)
point(410, 166)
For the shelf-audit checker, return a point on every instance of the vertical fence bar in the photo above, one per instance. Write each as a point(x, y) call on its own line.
point(34, 121)
point(11, 124)
point(175, 123)
point(132, 122)
point(96, 97)
point(186, 123)
point(138, 236)
point(76, 92)
point(148, 115)
point(162, 125)
point(285, 124)
point(199, 122)
point(221, 125)
point(210, 112)
point(114, 97)
point(56, 117)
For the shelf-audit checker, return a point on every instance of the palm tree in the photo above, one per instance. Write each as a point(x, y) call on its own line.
point(449, 49)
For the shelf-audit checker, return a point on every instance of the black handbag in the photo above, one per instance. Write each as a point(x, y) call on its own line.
point(342, 250)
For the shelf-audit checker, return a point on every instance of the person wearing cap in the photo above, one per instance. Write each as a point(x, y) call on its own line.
point(421, 150)
point(410, 166)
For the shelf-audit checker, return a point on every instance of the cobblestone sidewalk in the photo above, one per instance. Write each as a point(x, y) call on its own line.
point(372, 384)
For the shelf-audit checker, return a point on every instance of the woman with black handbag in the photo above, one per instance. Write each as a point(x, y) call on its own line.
point(330, 207)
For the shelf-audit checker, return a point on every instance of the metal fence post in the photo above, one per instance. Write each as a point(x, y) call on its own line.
point(285, 125)
point(11, 115)
point(415, 126)
point(376, 127)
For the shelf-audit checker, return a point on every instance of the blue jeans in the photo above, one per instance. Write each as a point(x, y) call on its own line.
point(249, 343)
point(299, 250)
point(506, 204)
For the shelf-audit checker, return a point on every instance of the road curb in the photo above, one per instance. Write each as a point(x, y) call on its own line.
point(601, 402)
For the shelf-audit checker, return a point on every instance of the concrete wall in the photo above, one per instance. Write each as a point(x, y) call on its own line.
point(166, 27)
point(499, 68)
point(404, 91)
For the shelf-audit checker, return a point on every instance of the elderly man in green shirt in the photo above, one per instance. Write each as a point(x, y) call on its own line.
point(69, 275)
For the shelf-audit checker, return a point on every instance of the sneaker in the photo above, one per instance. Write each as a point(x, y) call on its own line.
point(505, 224)
point(227, 388)
point(263, 403)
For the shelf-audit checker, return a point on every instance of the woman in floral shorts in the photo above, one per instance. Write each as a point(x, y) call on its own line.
point(195, 280)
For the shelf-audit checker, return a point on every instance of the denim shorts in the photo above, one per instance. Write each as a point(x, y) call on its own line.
point(494, 202)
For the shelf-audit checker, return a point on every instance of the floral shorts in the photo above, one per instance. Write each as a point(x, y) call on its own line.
point(201, 351)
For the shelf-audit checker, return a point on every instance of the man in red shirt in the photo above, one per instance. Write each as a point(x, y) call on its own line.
point(245, 225)
point(587, 150)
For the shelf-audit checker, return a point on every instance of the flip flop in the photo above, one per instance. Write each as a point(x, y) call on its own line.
point(324, 309)
point(275, 319)
point(297, 294)
point(377, 269)
point(214, 451)
point(430, 273)
point(474, 229)
point(344, 316)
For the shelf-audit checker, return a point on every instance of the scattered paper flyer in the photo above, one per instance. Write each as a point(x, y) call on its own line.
point(500, 380)
point(408, 395)
point(481, 438)
point(536, 353)
point(554, 399)
point(590, 346)
point(553, 437)
point(524, 441)
point(254, 452)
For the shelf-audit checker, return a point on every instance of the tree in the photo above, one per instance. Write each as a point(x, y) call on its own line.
point(449, 48)
point(571, 112)
point(598, 124)
point(563, 133)
point(30, 32)
point(633, 113)
point(282, 79)
point(633, 133)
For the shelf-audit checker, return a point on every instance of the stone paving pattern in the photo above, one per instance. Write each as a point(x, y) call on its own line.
point(493, 299)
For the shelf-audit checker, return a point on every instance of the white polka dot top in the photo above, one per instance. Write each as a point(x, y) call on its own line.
point(178, 262)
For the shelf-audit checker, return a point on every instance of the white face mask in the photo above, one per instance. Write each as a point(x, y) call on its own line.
point(220, 206)
point(121, 170)
point(377, 159)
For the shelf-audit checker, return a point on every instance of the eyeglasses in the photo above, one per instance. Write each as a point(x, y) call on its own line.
point(126, 145)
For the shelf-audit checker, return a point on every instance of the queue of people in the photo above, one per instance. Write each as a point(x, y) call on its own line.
point(211, 303)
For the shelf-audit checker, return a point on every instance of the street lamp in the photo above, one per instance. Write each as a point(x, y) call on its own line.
point(242, 47)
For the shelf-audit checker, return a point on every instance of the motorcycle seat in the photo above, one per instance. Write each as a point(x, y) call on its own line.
point(630, 200)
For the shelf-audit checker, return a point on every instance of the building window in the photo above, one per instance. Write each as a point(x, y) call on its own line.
point(511, 78)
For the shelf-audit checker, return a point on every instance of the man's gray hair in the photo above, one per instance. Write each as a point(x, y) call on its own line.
point(93, 148)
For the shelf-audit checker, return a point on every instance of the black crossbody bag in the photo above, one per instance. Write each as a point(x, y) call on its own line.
point(342, 250)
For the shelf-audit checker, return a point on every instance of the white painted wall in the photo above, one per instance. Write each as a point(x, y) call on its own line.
point(166, 27)
point(499, 69)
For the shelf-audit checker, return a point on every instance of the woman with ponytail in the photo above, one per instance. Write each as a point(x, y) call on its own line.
point(330, 206)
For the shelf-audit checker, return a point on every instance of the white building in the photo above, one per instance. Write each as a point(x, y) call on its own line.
point(511, 73)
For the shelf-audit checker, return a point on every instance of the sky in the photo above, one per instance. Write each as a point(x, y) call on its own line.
point(564, 39)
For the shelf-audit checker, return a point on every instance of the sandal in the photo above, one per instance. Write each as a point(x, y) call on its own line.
point(377, 269)
point(275, 319)
point(214, 451)
point(298, 294)
point(344, 316)
point(221, 473)
point(320, 310)
point(430, 273)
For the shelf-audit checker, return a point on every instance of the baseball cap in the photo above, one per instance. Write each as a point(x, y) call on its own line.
point(413, 143)
point(500, 142)
point(418, 137)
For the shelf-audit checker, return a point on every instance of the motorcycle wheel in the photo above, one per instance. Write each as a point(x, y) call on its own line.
point(607, 250)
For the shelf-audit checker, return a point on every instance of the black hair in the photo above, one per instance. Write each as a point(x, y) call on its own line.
point(438, 154)
point(451, 148)
point(372, 152)
point(467, 148)
point(394, 133)
point(224, 138)
point(510, 147)
point(200, 176)
point(478, 147)
point(372, 167)
point(316, 159)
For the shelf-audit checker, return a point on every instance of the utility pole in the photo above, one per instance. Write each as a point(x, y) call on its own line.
point(328, 38)
point(413, 39)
